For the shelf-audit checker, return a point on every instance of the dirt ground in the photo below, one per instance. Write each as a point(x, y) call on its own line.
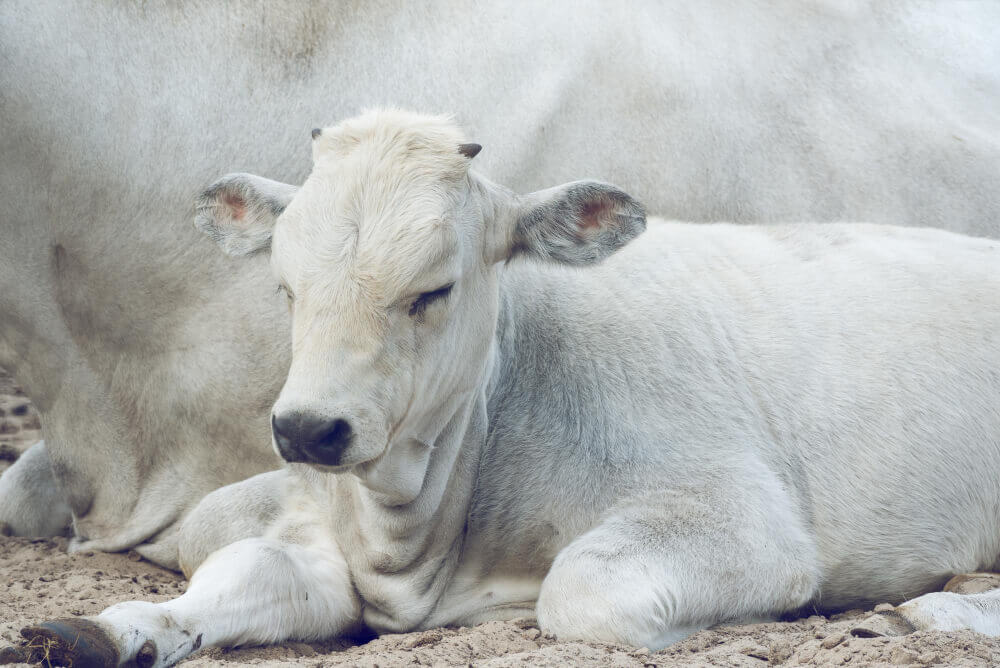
point(19, 424)
point(39, 580)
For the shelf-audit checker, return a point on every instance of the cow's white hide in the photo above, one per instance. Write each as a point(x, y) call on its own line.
point(717, 423)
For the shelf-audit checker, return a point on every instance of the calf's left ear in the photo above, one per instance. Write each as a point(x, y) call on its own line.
point(579, 223)
point(239, 211)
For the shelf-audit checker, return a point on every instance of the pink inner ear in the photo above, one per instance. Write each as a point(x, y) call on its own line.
point(590, 216)
point(237, 207)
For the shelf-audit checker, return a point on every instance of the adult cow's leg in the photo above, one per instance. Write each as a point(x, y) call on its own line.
point(244, 509)
point(31, 503)
point(664, 566)
point(255, 591)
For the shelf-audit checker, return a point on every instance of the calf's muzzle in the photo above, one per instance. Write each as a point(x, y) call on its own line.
point(311, 439)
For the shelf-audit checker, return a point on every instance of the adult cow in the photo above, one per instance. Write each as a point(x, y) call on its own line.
point(717, 423)
point(154, 362)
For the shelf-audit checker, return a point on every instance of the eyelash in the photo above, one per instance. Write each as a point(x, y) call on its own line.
point(421, 303)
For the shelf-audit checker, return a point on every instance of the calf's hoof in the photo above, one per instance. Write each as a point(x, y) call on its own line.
point(886, 623)
point(12, 655)
point(78, 642)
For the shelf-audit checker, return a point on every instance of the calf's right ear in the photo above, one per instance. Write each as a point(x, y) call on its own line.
point(239, 211)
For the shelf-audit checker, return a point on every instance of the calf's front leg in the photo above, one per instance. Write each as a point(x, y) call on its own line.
point(255, 591)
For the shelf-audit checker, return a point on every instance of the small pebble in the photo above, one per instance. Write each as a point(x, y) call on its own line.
point(431, 637)
point(902, 657)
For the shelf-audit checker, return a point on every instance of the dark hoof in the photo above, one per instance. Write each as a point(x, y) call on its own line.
point(12, 655)
point(881, 624)
point(79, 643)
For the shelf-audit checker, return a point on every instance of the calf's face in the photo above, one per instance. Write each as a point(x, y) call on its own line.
point(388, 255)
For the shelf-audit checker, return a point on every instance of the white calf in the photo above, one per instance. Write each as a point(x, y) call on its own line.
point(717, 423)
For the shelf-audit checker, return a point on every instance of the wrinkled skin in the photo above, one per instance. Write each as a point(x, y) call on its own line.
point(153, 361)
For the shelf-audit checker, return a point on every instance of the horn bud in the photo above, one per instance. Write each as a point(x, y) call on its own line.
point(470, 151)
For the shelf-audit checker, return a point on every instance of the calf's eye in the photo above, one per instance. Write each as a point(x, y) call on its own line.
point(425, 299)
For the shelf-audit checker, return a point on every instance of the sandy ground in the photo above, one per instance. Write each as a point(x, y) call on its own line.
point(19, 424)
point(39, 580)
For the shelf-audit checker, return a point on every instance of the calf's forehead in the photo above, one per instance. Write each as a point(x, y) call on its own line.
point(382, 202)
point(393, 236)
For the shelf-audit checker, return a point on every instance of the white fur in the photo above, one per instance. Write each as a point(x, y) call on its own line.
point(229, 514)
point(718, 423)
point(154, 360)
point(28, 483)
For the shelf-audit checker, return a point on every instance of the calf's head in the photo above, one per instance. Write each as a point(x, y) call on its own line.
point(389, 254)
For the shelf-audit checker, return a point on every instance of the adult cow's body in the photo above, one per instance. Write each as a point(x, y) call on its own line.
point(153, 361)
point(717, 423)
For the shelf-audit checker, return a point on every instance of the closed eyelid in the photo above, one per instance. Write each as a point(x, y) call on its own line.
point(426, 298)
point(444, 289)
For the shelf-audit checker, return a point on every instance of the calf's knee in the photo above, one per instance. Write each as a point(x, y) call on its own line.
point(242, 510)
point(594, 599)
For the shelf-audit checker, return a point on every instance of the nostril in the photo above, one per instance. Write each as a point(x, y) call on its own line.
point(281, 427)
point(281, 430)
point(337, 436)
